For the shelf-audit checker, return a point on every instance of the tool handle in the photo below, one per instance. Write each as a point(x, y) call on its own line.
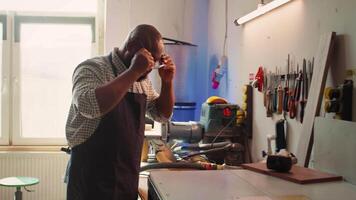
point(280, 100)
point(298, 89)
point(275, 100)
point(286, 99)
point(306, 88)
point(265, 98)
point(268, 103)
point(302, 106)
point(292, 108)
point(297, 96)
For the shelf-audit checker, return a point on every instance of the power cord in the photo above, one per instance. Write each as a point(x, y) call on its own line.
point(208, 151)
point(220, 132)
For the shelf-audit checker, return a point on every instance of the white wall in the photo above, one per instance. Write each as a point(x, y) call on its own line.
point(294, 28)
point(182, 20)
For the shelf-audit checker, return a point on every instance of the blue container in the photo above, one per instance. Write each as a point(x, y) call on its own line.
point(183, 111)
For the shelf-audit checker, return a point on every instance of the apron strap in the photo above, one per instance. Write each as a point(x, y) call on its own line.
point(114, 70)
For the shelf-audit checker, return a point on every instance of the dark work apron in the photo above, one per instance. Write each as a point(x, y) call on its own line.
point(106, 166)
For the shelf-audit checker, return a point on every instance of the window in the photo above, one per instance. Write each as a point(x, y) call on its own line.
point(1, 46)
point(4, 99)
point(45, 45)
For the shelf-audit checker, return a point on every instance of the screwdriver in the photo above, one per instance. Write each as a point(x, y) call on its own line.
point(304, 90)
point(286, 88)
point(294, 98)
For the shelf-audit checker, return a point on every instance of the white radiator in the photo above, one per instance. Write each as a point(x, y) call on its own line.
point(48, 167)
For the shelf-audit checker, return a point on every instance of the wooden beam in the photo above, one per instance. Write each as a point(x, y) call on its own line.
point(321, 67)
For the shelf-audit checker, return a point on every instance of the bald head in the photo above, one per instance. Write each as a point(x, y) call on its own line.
point(142, 36)
point(145, 36)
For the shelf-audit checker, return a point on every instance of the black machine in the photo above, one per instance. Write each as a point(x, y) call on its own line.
point(339, 100)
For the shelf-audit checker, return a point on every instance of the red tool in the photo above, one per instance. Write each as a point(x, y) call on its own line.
point(293, 103)
point(259, 79)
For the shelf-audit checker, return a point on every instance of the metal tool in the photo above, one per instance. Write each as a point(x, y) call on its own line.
point(280, 99)
point(303, 101)
point(158, 67)
point(293, 103)
point(292, 85)
point(269, 103)
point(296, 92)
point(311, 68)
point(265, 87)
point(299, 85)
point(286, 88)
point(275, 91)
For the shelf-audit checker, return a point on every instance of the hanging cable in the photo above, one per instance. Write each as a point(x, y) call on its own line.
point(220, 70)
point(184, 165)
point(198, 146)
point(225, 37)
point(208, 151)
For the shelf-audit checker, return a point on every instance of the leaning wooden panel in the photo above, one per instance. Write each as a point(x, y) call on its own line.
point(321, 66)
point(335, 147)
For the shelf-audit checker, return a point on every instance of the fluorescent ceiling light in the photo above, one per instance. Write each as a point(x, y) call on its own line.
point(260, 11)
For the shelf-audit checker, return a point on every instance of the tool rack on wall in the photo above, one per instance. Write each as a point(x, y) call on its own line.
point(286, 90)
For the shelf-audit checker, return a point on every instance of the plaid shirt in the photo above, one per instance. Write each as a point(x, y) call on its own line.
point(84, 114)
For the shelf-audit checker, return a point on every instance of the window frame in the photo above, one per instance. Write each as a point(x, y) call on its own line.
point(19, 19)
point(10, 129)
point(46, 19)
point(5, 80)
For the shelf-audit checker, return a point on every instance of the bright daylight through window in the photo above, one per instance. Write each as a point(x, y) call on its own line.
point(1, 84)
point(46, 40)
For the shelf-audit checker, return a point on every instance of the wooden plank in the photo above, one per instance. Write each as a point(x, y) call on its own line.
point(335, 147)
point(297, 174)
point(322, 62)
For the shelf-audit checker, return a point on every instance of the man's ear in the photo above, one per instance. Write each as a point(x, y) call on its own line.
point(133, 47)
point(130, 47)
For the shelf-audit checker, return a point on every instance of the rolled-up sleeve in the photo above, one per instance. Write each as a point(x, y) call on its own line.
point(85, 81)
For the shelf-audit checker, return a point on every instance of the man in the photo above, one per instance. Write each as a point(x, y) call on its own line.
point(105, 126)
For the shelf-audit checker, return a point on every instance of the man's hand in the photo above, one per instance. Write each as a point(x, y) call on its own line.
point(142, 62)
point(167, 72)
point(111, 93)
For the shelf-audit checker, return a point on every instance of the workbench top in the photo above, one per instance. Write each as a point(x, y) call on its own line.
point(242, 185)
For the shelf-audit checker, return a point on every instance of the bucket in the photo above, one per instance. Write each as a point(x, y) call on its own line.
point(183, 111)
